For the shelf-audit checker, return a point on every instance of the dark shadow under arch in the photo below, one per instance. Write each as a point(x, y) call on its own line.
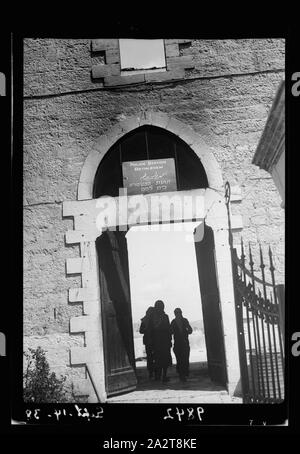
point(120, 371)
point(149, 142)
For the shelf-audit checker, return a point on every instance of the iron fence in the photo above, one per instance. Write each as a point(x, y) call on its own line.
point(260, 324)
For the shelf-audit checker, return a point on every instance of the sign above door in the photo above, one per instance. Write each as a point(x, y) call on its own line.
point(149, 176)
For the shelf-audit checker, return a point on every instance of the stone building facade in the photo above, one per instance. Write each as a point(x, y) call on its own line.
point(76, 105)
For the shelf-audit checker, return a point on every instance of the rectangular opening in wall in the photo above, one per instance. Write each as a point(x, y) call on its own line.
point(142, 55)
point(162, 265)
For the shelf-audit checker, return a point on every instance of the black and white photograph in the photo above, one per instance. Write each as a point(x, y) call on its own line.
point(154, 211)
point(150, 238)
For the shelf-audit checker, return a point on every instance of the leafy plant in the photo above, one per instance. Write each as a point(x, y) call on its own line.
point(39, 384)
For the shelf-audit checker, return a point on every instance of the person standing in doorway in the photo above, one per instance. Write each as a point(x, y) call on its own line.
point(180, 329)
point(161, 337)
point(145, 329)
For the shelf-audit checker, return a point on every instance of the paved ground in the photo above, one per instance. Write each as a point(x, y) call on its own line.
point(198, 388)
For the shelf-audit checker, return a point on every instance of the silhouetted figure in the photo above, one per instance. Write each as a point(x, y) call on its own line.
point(161, 337)
point(145, 329)
point(181, 329)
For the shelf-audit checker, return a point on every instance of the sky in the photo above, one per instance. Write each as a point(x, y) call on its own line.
point(163, 266)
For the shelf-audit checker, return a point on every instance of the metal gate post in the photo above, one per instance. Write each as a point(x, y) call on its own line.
point(238, 308)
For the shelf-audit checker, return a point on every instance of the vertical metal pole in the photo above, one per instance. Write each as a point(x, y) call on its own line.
point(250, 353)
point(265, 365)
point(120, 155)
point(120, 158)
point(248, 322)
point(275, 350)
point(260, 363)
point(241, 337)
point(146, 139)
point(238, 307)
point(276, 302)
point(267, 319)
point(254, 323)
point(176, 166)
point(279, 289)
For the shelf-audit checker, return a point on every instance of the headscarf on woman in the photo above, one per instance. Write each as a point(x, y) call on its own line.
point(161, 337)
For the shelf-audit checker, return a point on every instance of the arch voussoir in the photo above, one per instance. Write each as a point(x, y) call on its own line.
point(158, 119)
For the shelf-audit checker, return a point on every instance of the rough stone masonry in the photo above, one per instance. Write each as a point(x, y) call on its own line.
point(225, 98)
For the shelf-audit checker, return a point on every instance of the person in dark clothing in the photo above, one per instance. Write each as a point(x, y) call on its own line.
point(180, 329)
point(145, 329)
point(161, 337)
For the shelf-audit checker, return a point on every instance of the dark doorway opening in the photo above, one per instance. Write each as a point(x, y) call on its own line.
point(122, 372)
point(149, 142)
point(116, 312)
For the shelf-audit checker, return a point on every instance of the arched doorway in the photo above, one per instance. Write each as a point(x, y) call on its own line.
point(86, 230)
point(150, 143)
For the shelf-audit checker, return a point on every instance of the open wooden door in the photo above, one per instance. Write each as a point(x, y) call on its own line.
point(212, 318)
point(116, 312)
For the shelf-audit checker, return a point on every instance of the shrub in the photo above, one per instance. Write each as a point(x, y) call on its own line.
point(39, 384)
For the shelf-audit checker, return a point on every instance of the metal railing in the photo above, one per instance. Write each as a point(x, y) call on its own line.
point(259, 309)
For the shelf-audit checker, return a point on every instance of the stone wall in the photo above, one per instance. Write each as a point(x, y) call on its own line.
point(225, 98)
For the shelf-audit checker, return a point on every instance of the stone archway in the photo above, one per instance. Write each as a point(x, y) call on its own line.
point(85, 233)
point(186, 133)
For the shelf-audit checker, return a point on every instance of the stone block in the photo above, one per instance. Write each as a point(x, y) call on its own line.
point(183, 62)
point(100, 71)
point(223, 254)
point(175, 126)
point(111, 81)
point(76, 236)
point(77, 208)
point(129, 124)
point(91, 163)
point(79, 355)
point(177, 41)
point(189, 136)
point(85, 190)
point(258, 220)
point(165, 75)
point(161, 119)
point(86, 223)
point(112, 56)
point(83, 294)
point(92, 307)
point(171, 50)
point(88, 248)
point(236, 222)
point(104, 44)
point(74, 265)
point(83, 323)
point(101, 145)
point(82, 387)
